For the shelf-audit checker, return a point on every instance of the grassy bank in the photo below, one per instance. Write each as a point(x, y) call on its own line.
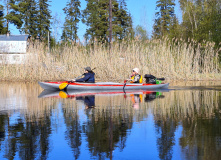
point(172, 60)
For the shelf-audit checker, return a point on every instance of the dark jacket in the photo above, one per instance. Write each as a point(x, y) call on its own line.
point(88, 77)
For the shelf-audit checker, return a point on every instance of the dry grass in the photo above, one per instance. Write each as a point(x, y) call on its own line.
point(158, 57)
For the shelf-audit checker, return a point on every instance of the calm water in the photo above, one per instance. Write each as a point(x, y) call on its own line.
point(181, 123)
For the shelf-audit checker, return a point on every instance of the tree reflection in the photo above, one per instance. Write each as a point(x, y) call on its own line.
point(199, 114)
point(73, 132)
point(105, 131)
point(29, 138)
point(201, 137)
point(3, 121)
point(165, 128)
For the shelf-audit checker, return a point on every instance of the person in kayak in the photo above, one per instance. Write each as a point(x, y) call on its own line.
point(88, 76)
point(136, 77)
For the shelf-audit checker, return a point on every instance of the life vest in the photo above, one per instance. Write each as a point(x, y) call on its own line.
point(138, 79)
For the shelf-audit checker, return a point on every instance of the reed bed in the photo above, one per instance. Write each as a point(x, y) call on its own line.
point(175, 60)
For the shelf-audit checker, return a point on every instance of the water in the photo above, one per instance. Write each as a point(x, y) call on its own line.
point(180, 123)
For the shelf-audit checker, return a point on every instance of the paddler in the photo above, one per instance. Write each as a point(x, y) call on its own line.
point(88, 76)
point(135, 77)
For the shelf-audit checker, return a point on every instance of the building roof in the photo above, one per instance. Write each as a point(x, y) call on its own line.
point(14, 37)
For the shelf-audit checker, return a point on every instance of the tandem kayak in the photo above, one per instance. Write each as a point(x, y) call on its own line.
point(102, 86)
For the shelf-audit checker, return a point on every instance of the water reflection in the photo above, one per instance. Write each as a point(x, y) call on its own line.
point(176, 124)
point(104, 130)
point(88, 97)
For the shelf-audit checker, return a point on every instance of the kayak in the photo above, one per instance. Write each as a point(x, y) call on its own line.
point(102, 86)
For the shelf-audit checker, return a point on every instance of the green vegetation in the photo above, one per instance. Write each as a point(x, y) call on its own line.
point(200, 20)
point(163, 18)
point(2, 28)
point(43, 20)
point(72, 11)
point(29, 16)
point(96, 17)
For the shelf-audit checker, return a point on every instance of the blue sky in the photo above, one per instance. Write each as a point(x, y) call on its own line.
point(142, 12)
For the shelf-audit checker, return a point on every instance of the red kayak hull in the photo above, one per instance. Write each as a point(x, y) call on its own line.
point(102, 86)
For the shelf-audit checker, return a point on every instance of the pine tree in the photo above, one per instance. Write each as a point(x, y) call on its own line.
point(174, 29)
point(30, 12)
point(14, 16)
point(64, 36)
point(163, 17)
point(124, 19)
point(2, 28)
point(43, 20)
point(23, 14)
point(30, 17)
point(72, 11)
point(96, 17)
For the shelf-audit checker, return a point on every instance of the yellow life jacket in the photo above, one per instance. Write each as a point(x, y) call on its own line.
point(140, 80)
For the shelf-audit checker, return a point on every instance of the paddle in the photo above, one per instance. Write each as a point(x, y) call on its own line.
point(64, 85)
point(125, 82)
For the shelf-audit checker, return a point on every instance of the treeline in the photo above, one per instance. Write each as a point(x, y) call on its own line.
point(201, 20)
point(29, 16)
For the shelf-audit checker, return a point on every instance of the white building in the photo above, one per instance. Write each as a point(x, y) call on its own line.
point(13, 48)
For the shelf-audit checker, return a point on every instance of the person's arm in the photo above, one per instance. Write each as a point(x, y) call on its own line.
point(86, 77)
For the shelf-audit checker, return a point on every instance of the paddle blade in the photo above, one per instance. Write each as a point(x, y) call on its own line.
point(63, 85)
point(63, 94)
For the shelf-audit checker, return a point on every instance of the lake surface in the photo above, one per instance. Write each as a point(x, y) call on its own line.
point(181, 123)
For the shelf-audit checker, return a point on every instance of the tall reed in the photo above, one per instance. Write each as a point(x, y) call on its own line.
point(175, 60)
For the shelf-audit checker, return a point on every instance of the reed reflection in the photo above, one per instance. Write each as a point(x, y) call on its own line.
point(199, 113)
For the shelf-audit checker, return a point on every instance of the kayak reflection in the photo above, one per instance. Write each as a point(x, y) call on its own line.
point(153, 96)
point(88, 96)
point(78, 93)
point(137, 98)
